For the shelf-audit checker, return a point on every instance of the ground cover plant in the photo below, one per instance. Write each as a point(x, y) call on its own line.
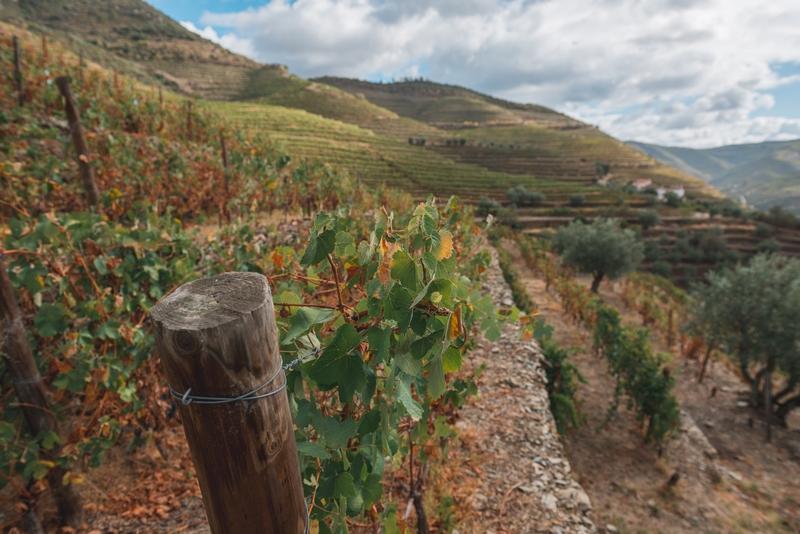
point(391, 296)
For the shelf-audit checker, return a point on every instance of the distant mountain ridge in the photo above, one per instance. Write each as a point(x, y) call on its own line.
point(765, 174)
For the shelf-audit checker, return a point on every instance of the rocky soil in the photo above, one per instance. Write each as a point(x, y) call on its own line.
point(525, 482)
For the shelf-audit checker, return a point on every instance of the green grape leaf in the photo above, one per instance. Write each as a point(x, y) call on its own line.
point(421, 347)
point(369, 423)
point(404, 269)
point(491, 329)
point(372, 489)
point(451, 360)
point(7, 432)
point(366, 249)
point(302, 321)
point(313, 449)
point(407, 364)
point(421, 294)
point(344, 486)
point(51, 320)
point(336, 434)
point(446, 267)
point(372, 384)
point(442, 286)
point(322, 219)
point(339, 365)
point(380, 340)
point(436, 383)
point(429, 261)
point(319, 247)
point(398, 306)
point(343, 241)
point(413, 408)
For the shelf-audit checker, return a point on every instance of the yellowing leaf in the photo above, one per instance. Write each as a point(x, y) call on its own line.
point(384, 270)
point(455, 324)
point(445, 247)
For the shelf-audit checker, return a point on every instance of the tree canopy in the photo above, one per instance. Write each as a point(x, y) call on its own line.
point(752, 312)
point(600, 249)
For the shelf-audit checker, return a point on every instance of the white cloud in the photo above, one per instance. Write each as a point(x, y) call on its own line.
point(687, 72)
point(229, 40)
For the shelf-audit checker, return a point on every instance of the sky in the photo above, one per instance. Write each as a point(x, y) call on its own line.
point(692, 73)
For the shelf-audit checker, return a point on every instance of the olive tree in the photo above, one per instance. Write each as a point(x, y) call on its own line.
point(600, 249)
point(752, 311)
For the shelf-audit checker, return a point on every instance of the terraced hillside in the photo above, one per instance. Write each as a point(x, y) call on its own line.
point(382, 159)
point(539, 137)
point(134, 38)
point(450, 106)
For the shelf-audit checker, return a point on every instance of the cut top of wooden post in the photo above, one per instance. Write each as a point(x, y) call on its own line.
point(214, 330)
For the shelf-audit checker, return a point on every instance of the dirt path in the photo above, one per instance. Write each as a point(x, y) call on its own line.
point(517, 463)
point(750, 486)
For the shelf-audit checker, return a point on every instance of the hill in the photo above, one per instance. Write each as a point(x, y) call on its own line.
point(513, 137)
point(134, 38)
point(417, 136)
point(765, 174)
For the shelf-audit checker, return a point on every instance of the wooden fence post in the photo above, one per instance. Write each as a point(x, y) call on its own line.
point(217, 337)
point(226, 176)
point(189, 121)
point(30, 391)
point(18, 71)
point(79, 140)
point(768, 403)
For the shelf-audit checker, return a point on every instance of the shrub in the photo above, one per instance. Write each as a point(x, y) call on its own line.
point(672, 200)
point(508, 217)
point(562, 384)
point(601, 249)
point(486, 206)
point(695, 255)
point(640, 374)
point(763, 230)
point(577, 199)
point(674, 255)
point(661, 268)
point(732, 210)
point(732, 255)
point(682, 244)
point(651, 200)
point(648, 218)
point(769, 246)
point(519, 196)
point(652, 252)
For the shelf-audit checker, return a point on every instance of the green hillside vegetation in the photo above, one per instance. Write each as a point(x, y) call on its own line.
point(539, 134)
point(766, 174)
point(132, 37)
point(81, 275)
point(383, 160)
point(415, 135)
